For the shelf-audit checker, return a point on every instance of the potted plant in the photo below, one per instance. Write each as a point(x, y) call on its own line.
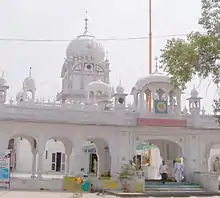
point(126, 177)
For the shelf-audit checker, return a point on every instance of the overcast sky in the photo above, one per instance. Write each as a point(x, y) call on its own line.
point(63, 19)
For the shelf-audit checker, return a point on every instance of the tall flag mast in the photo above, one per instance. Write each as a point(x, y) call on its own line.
point(150, 48)
point(150, 37)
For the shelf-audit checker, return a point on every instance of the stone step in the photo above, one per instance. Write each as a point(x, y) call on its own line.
point(165, 193)
point(167, 182)
point(171, 186)
point(175, 189)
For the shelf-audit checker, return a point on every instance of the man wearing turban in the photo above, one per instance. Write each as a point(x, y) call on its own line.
point(178, 170)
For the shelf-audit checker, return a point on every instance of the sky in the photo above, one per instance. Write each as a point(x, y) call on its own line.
point(64, 20)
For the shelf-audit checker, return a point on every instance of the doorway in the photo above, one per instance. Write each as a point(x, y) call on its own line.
point(58, 162)
point(93, 163)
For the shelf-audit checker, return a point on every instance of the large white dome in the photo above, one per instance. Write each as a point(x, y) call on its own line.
point(87, 46)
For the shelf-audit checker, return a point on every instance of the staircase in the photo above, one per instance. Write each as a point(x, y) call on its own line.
point(155, 187)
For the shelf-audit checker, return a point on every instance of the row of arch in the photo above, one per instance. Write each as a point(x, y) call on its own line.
point(102, 151)
point(101, 146)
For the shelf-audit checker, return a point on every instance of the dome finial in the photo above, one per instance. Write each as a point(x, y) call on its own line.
point(30, 71)
point(86, 22)
point(156, 65)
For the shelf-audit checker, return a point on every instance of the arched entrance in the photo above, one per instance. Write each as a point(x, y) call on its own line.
point(23, 150)
point(212, 157)
point(96, 158)
point(151, 152)
point(56, 157)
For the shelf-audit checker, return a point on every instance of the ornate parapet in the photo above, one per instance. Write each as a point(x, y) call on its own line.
point(64, 114)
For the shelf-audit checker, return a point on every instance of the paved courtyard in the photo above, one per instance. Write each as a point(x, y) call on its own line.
point(28, 194)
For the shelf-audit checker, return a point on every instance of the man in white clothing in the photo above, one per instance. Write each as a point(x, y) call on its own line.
point(163, 171)
point(178, 170)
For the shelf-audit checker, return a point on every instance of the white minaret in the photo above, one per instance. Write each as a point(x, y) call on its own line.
point(3, 89)
point(29, 87)
point(195, 107)
point(120, 97)
point(194, 102)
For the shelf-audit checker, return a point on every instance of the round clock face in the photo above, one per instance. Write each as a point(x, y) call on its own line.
point(88, 67)
point(121, 100)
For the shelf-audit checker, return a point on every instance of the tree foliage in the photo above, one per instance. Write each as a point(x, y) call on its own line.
point(199, 53)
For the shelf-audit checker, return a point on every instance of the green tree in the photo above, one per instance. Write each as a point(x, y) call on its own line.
point(199, 53)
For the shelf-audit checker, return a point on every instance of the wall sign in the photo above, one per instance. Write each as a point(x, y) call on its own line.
point(5, 169)
point(160, 106)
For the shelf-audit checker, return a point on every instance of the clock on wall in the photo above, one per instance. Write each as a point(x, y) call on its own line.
point(88, 67)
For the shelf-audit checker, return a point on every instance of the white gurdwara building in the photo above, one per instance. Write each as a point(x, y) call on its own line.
point(90, 126)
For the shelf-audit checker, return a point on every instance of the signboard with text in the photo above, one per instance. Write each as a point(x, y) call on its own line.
point(5, 169)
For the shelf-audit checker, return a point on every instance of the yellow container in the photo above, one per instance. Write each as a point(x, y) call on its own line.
point(110, 184)
point(139, 187)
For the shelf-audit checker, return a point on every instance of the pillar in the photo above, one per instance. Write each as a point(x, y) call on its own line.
point(77, 155)
point(141, 105)
point(115, 156)
point(41, 147)
point(34, 160)
point(67, 164)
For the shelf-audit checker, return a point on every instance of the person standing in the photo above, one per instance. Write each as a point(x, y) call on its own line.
point(163, 171)
point(178, 170)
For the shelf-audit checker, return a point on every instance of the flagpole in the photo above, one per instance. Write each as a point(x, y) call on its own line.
point(150, 48)
point(150, 37)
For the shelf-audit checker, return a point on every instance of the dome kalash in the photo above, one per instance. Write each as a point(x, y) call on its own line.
point(86, 45)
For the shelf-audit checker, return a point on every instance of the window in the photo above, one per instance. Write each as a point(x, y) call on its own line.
point(53, 164)
point(53, 167)
point(54, 157)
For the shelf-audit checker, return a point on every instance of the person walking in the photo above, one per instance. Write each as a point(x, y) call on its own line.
point(178, 170)
point(163, 171)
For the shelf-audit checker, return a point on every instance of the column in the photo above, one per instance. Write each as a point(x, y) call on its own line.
point(67, 164)
point(34, 160)
point(41, 148)
point(115, 166)
point(77, 154)
point(115, 156)
point(136, 100)
point(178, 101)
point(76, 163)
point(141, 105)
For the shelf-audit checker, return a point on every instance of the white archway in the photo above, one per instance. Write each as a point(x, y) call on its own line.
point(98, 160)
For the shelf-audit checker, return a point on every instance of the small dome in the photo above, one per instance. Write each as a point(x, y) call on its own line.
point(99, 86)
point(120, 88)
point(194, 93)
point(152, 78)
point(86, 45)
point(20, 96)
point(29, 84)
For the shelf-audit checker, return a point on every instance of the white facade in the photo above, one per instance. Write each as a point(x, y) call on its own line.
point(85, 112)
